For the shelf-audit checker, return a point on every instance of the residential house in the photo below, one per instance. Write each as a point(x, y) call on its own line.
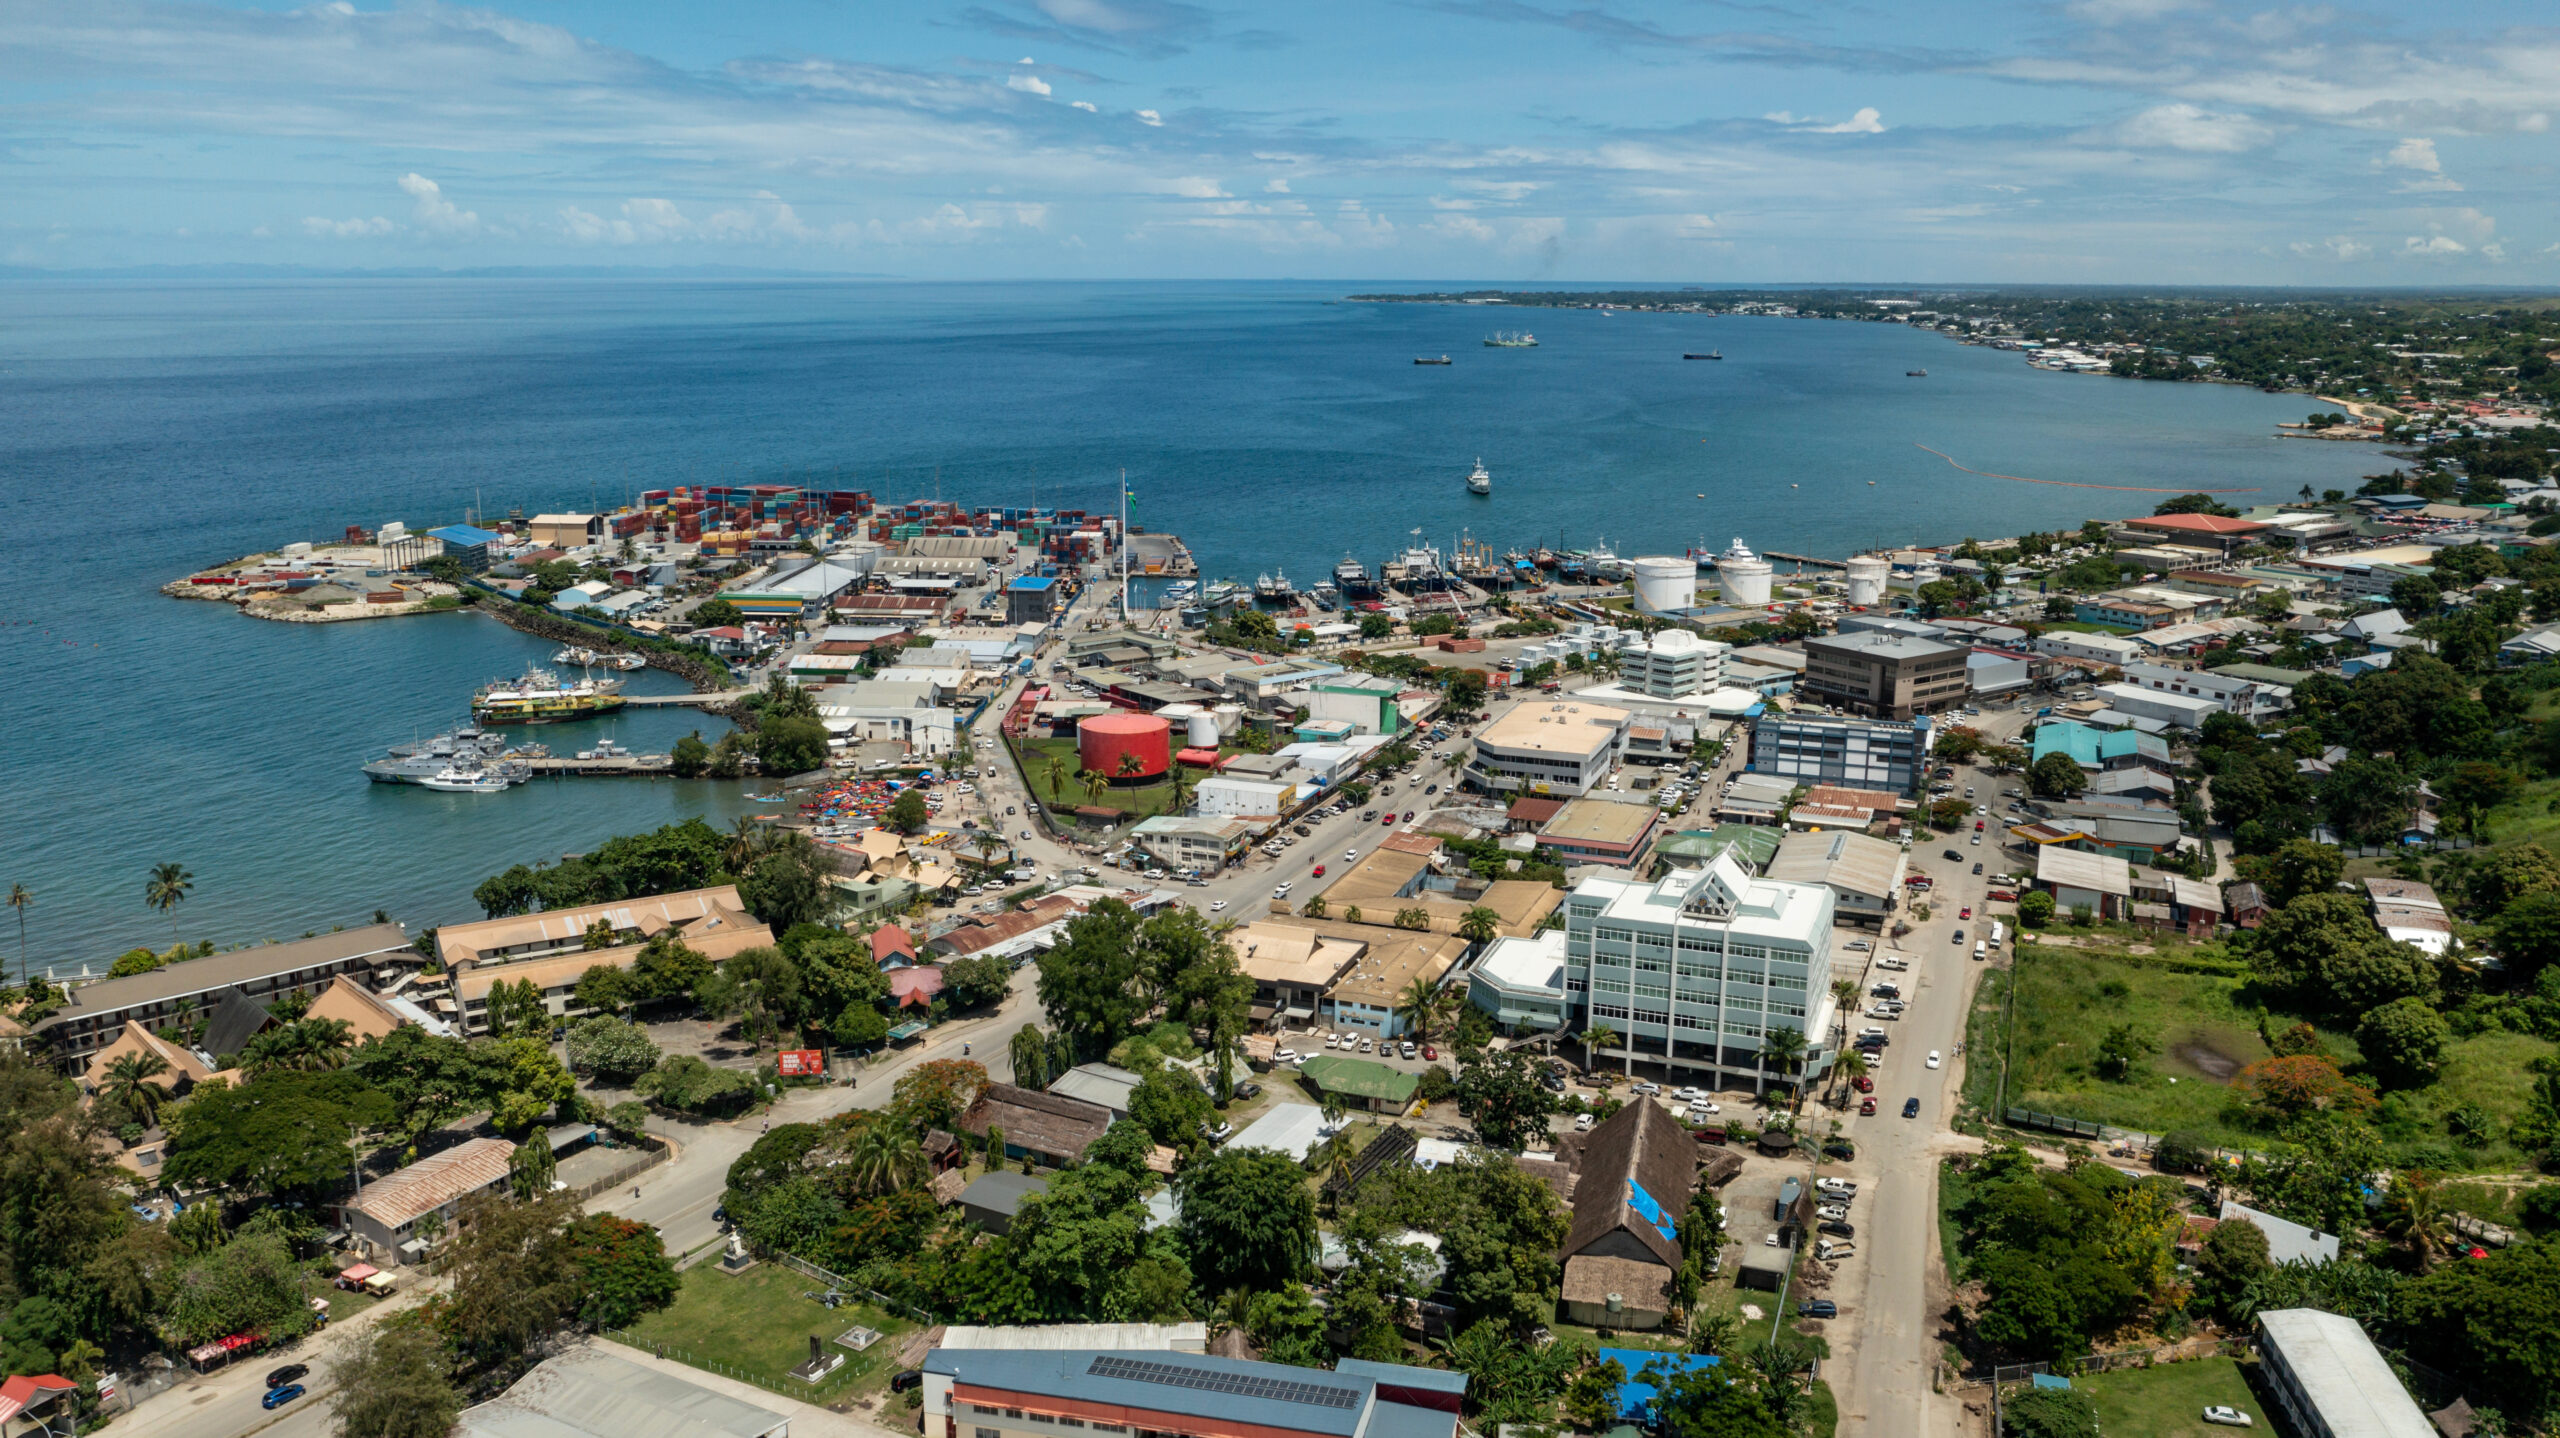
point(1051, 1129)
point(2246, 903)
point(401, 1219)
point(2101, 883)
point(2409, 912)
point(994, 1199)
point(1638, 1168)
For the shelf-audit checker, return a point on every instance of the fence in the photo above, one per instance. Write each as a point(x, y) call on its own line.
point(657, 1154)
point(874, 1296)
point(855, 1365)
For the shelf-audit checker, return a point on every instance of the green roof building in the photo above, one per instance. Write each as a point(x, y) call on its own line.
point(1360, 1083)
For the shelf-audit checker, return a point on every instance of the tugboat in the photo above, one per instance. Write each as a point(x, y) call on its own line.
point(1480, 482)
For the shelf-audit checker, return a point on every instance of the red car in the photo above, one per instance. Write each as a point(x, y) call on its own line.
point(1319, 873)
point(1966, 912)
point(1429, 1053)
point(1388, 822)
point(1863, 1084)
point(1866, 1105)
point(1977, 826)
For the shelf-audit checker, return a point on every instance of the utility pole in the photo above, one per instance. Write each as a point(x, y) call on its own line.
point(1124, 546)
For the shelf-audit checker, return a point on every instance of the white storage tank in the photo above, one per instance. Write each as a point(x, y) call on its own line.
point(1203, 728)
point(1867, 576)
point(1665, 585)
point(1230, 718)
point(1743, 576)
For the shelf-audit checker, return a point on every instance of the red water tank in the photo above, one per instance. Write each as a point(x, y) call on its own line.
point(1103, 740)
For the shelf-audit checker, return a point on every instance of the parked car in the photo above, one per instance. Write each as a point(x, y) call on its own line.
point(1837, 1228)
point(1648, 1087)
point(1831, 1211)
point(911, 1379)
point(1582, 1123)
point(1863, 1084)
point(278, 1397)
point(1248, 1090)
point(1977, 866)
point(1839, 1148)
point(1219, 1134)
point(1955, 856)
point(1820, 1308)
point(1429, 1053)
point(1965, 913)
point(1845, 1187)
point(1405, 1048)
point(1911, 1108)
point(1866, 1106)
point(2227, 1416)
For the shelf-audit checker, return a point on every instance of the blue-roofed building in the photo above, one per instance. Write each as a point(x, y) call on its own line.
point(1071, 1392)
point(1032, 599)
point(2101, 750)
point(1643, 1366)
point(467, 543)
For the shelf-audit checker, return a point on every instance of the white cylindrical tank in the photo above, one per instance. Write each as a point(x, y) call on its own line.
point(1665, 585)
point(1203, 730)
point(1867, 576)
point(1743, 576)
point(1230, 718)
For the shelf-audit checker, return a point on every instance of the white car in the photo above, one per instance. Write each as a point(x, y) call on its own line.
point(1842, 1187)
point(1859, 945)
point(1405, 1048)
point(1350, 855)
point(1286, 1056)
point(2227, 1416)
point(1218, 907)
point(1281, 892)
point(1836, 1213)
point(1648, 1088)
point(1933, 1058)
point(1582, 1123)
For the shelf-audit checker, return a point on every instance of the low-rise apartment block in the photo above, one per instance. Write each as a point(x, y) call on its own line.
point(1889, 676)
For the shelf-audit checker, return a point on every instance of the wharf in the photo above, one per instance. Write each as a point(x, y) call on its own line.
point(1161, 556)
point(636, 766)
point(663, 701)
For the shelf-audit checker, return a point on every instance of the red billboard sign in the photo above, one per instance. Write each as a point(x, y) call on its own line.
point(803, 1063)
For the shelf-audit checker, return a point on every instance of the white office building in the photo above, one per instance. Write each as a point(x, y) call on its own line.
point(1545, 747)
point(2248, 698)
point(1673, 664)
point(1694, 968)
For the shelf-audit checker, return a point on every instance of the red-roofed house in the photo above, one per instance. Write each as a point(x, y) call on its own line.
point(893, 947)
point(27, 1403)
point(916, 987)
point(2206, 531)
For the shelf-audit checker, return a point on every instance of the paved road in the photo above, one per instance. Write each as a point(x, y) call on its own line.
point(1892, 1293)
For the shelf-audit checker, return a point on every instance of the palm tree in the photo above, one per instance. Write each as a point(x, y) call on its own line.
point(21, 900)
point(1337, 1169)
point(1331, 1112)
point(746, 836)
point(167, 889)
point(1181, 783)
point(1601, 1036)
point(1129, 766)
point(2415, 1217)
point(886, 1158)
point(1479, 925)
point(1057, 775)
point(1314, 908)
point(1417, 1006)
point(987, 844)
point(1783, 1047)
point(1713, 1333)
point(1849, 1066)
point(129, 1085)
point(306, 1046)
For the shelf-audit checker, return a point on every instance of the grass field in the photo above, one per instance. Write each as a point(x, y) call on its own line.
point(1138, 802)
point(757, 1325)
point(2169, 1401)
point(2204, 1029)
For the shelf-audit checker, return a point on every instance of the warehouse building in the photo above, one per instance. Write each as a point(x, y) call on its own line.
point(2330, 1379)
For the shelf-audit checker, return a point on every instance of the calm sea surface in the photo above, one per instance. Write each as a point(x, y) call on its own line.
point(149, 428)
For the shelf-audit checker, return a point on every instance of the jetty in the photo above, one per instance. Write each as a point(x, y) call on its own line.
point(625, 766)
point(663, 701)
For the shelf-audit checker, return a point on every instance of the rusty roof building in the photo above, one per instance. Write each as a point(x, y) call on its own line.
point(1051, 1128)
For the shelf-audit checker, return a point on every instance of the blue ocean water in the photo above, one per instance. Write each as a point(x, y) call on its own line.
point(148, 428)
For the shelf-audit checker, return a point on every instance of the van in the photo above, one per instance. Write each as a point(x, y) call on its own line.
point(1981, 951)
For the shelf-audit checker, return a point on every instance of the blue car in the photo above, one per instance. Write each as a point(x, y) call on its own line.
point(278, 1397)
point(1911, 1108)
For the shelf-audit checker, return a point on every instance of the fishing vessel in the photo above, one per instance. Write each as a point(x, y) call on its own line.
point(1711, 354)
point(1355, 581)
point(1480, 482)
point(541, 697)
point(1478, 565)
point(1426, 359)
point(1325, 596)
point(1180, 592)
point(1506, 340)
point(1418, 569)
point(1222, 591)
point(1273, 588)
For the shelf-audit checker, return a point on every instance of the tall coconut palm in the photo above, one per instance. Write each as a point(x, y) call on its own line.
point(987, 843)
point(1782, 1048)
point(1417, 1006)
point(886, 1158)
point(1848, 1067)
point(2416, 1218)
point(1479, 925)
point(1129, 766)
point(1057, 775)
point(128, 1084)
point(166, 889)
point(739, 850)
point(21, 900)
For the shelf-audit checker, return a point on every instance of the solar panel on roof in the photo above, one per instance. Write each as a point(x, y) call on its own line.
point(1242, 1385)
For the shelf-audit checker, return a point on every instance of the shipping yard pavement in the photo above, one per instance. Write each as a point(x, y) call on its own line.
point(1893, 1293)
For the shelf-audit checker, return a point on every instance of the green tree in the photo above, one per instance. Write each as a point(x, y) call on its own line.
point(303, 1046)
point(624, 1268)
point(516, 1276)
point(859, 1025)
point(2121, 1050)
point(2233, 1258)
point(2057, 776)
point(791, 744)
point(1089, 980)
point(135, 961)
point(523, 1083)
point(249, 1285)
point(1479, 925)
point(611, 1049)
point(2404, 1042)
point(2035, 909)
point(789, 884)
point(1247, 1219)
point(978, 983)
point(394, 1380)
point(607, 990)
point(935, 1093)
point(885, 1158)
point(129, 1085)
point(689, 756)
point(532, 1168)
point(687, 1084)
point(2051, 1413)
point(2527, 935)
point(1500, 1093)
point(1028, 1051)
point(1079, 1241)
point(907, 812)
point(667, 969)
point(1171, 1106)
point(2496, 1320)
point(19, 902)
point(166, 889)
point(2299, 867)
point(282, 1133)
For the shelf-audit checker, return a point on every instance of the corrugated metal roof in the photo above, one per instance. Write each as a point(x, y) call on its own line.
point(589, 1393)
point(431, 1183)
point(2342, 1375)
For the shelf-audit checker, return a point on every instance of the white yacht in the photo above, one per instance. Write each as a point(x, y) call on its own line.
point(455, 780)
point(1480, 482)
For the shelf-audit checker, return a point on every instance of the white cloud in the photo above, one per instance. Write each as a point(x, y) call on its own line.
point(1787, 117)
point(1193, 187)
point(1275, 187)
point(2193, 128)
point(1027, 84)
point(1149, 117)
point(1084, 105)
point(346, 229)
point(2433, 245)
point(2335, 247)
point(2417, 154)
point(1868, 121)
point(652, 220)
point(434, 213)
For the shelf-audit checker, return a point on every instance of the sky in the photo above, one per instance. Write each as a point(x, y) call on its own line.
point(1484, 141)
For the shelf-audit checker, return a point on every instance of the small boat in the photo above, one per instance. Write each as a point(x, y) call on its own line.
point(1916, 373)
point(1480, 482)
point(1501, 340)
point(1426, 359)
point(1711, 354)
point(605, 749)
point(452, 780)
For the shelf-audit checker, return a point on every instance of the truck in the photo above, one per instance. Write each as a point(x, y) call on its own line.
point(1828, 1249)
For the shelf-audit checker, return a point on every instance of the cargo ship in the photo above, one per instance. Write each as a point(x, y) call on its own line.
point(1711, 354)
point(1355, 581)
point(1426, 359)
point(539, 697)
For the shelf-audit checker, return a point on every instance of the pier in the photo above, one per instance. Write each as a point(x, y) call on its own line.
point(634, 766)
point(662, 701)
